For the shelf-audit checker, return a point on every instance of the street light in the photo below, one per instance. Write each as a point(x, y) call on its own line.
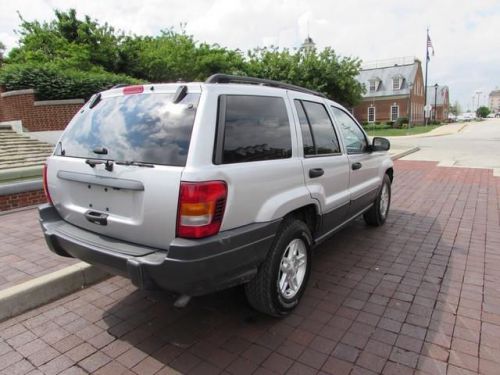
point(410, 86)
point(435, 101)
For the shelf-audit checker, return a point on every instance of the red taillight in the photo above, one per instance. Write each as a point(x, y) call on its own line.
point(133, 90)
point(201, 208)
point(45, 186)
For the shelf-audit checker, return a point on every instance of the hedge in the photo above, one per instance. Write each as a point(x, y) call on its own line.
point(52, 82)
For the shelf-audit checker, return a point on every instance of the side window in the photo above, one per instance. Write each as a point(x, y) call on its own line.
point(354, 138)
point(305, 128)
point(254, 128)
point(324, 139)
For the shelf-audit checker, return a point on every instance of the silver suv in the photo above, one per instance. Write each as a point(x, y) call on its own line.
point(196, 187)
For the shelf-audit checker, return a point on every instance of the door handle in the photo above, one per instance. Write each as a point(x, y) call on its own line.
point(96, 217)
point(356, 165)
point(316, 172)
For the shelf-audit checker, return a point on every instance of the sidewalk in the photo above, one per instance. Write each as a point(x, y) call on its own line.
point(24, 255)
point(420, 295)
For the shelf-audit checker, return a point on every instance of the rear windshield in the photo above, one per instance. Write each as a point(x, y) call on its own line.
point(146, 128)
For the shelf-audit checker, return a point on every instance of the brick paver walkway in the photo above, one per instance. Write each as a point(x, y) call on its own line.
point(419, 295)
point(23, 252)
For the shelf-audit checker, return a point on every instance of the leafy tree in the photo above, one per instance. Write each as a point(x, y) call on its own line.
point(69, 45)
point(2, 50)
point(483, 112)
point(68, 41)
point(321, 71)
point(455, 109)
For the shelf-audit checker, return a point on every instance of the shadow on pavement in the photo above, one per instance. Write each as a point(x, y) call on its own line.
point(368, 285)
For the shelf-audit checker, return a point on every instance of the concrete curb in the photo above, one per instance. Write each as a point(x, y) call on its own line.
point(404, 153)
point(34, 293)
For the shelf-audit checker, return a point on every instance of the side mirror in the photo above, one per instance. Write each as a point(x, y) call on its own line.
point(380, 144)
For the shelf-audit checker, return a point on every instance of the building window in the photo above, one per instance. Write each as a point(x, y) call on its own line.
point(396, 83)
point(394, 112)
point(374, 84)
point(371, 114)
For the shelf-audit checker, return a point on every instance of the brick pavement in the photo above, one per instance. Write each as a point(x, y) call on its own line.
point(23, 252)
point(420, 295)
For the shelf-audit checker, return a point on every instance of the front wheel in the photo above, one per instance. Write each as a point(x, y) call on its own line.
point(377, 214)
point(282, 278)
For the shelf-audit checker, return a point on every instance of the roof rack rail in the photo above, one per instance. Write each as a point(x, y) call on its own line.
point(227, 78)
point(120, 85)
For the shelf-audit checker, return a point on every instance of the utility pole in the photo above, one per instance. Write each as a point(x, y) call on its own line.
point(435, 101)
point(426, 69)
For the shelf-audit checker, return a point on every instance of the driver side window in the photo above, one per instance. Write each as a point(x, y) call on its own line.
point(354, 138)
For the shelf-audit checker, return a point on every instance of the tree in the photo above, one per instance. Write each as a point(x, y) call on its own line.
point(2, 50)
point(321, 71)
point(455, 109)
point(483, 112)
point(69, 42)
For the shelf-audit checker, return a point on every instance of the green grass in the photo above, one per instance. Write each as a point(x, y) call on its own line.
point(398, 132)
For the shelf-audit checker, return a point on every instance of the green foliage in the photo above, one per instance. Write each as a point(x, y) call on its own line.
point(176, 56)
point(398, 124)
point(52, 82)
point(83, 50)
point(69, 42)
point(2, 50)
point(483, 112)
point(455, 109)
point(321, 71)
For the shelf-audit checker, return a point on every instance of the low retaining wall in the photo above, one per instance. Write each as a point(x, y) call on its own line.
point(17, 200)
point(37, 115)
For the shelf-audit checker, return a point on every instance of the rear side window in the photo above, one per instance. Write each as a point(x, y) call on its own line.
point(146, 128)
point(318, 134)
point(252, 128)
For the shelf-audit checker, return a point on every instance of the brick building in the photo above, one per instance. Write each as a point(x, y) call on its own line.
point(439, 103)
point(394, 88)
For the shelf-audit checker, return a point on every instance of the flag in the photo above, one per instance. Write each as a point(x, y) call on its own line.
point(429, 45)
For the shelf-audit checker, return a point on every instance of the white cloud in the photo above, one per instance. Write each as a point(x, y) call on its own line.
point(464, 33)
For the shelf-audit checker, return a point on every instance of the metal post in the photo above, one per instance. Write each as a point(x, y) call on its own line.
point(426, 68)
point(435, 101)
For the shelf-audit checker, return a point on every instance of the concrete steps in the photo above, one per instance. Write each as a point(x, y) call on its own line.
point(17, 150)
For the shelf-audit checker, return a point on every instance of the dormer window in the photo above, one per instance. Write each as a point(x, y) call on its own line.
point(397, 82)
point(374, 84)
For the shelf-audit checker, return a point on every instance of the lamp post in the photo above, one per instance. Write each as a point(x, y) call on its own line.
point(410, 86)
point(435, 101)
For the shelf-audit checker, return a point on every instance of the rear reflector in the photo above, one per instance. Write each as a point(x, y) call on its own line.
point(201, 208)
point(45, 185)
point(133, 89)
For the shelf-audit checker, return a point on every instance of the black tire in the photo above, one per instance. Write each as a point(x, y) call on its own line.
point(263, 291)
point(374, 216)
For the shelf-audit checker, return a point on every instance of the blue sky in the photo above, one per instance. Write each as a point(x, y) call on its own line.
point(465, 34)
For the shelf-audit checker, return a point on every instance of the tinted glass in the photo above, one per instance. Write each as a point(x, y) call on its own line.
point(354, 137)
point(307, 139)
point(322, 128)
point(147, 128)
point(256, 128)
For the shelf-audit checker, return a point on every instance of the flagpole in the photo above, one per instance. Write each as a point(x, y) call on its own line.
point(426, 69)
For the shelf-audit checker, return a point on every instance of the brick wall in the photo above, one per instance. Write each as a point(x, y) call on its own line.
point(37, 115)
point(17, 200)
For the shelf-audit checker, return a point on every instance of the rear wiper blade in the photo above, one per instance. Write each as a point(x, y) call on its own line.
point(108, 164)
point(136, 163)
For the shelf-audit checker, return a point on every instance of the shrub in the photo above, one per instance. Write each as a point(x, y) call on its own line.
point(434, 122)
point(53, 82)
point(398, 124)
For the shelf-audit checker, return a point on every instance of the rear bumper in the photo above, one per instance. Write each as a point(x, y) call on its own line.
point(192, 267)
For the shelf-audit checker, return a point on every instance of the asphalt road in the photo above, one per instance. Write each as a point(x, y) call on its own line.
point(476, 146)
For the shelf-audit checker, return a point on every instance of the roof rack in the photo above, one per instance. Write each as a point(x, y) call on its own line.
point(227, 78)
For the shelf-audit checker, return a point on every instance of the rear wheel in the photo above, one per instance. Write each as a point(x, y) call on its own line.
point(282, 278)
point(377, 214)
